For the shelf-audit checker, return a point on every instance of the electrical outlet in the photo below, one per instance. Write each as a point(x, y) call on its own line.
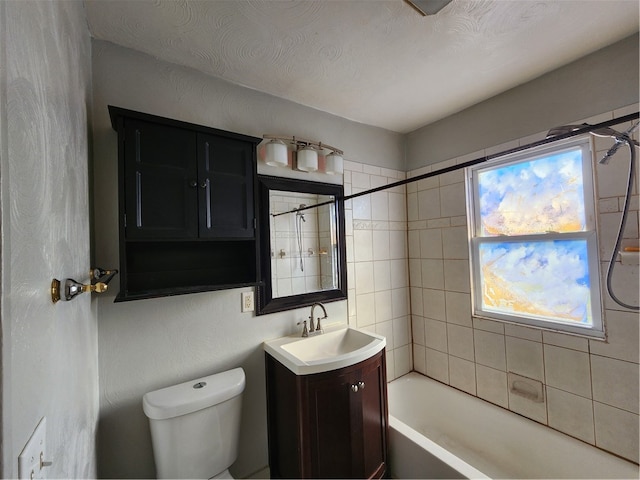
point(247, 302)
point(31, 461)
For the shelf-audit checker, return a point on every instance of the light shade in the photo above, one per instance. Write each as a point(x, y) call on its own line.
point(276, 153)
point(333, 164)
point(307, 159)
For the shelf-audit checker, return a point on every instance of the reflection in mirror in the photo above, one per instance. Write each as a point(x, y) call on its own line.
point(303, 244)
point(302, 248)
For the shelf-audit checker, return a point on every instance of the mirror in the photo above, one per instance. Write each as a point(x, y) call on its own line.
point(302, 253)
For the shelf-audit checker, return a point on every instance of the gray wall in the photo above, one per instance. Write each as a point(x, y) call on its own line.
point(49, 352)
point(148, 344)
point(603, 81)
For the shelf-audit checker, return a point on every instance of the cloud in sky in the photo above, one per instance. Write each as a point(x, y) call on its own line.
point(537, 196)
point(547, 278)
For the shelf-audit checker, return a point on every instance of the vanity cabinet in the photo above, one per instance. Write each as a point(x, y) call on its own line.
point(186, 206)
point(328, 425)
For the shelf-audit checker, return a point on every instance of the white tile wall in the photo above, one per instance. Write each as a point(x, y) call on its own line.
point(571, 414)
point(616, 430)
point(590, 386)
point(524, 406)
point(408, 270)
point(492, 385)
point(458, 308)
point(460, 341)
point(568, 370)
point(490, 350)
point(378, 268)
point(615, 382)
point(462, 374)
point(437, 365)
point(524, 357)
point(435, 333)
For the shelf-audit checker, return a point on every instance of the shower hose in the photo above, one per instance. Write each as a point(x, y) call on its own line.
point(623, 222)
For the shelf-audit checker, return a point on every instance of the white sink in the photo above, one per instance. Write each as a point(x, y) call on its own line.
point(331, 350)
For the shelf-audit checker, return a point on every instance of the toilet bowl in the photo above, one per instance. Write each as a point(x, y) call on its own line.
point(195, 425)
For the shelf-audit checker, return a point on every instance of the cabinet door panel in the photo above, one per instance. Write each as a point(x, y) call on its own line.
point(160, 202)
point(374, 419)
point(226, 187)
point(341, 430)
point(331, 416)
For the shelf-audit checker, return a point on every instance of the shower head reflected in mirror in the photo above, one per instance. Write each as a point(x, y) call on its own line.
point(301, 215)
point(299, 219)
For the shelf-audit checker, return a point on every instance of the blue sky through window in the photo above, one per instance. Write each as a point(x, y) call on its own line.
point(548, 279)
point(534, 252)
point(533, 197)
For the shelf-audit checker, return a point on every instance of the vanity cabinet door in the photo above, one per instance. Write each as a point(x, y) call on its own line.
point(348, 421)
point(161, 198)
point(328, 425)
point(332, 413)
point(373, 415)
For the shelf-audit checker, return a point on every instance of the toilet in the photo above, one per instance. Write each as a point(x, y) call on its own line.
point(195, 425)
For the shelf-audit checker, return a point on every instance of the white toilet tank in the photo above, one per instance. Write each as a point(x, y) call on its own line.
point(195, 425)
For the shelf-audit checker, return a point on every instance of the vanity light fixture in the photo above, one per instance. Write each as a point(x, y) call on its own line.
point(276, 153)
point(333, 164)
point(307, 153)
point(307, 159)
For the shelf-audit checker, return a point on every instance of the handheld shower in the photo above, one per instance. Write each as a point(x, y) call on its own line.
point(299, 219)
point(621, 138)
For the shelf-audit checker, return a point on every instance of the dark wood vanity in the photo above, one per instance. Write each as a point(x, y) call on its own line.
point(328, 425)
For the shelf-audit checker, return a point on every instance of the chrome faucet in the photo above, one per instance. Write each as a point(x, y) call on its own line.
point(314, 329)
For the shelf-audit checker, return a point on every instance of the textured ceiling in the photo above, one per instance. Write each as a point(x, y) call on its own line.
point(377, 62)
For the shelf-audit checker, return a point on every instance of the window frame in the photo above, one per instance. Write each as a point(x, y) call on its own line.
point(590, 235)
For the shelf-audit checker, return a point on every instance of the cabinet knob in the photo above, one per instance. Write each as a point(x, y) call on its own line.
point(204, 183)
point(193, 184)
point(355, 387)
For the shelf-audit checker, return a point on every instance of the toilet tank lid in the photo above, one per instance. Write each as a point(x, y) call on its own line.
point(193, 395)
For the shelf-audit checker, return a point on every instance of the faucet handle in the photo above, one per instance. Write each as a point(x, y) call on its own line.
point(305, 331)
point(318, 327)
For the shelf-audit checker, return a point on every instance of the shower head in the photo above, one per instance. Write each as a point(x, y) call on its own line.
point(620, 138)
point(606, 132)
point(556, 131)
point(301, 215)
point(611, 152)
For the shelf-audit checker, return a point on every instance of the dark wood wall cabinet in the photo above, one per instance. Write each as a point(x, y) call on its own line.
point(328, 425)
point(186, 206)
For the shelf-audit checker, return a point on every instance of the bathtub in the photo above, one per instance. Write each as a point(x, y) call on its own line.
point(439, 432)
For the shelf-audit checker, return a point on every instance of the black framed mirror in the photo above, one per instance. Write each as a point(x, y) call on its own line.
point(302, 247)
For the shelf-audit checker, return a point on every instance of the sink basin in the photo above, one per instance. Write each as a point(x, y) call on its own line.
point(331, 350)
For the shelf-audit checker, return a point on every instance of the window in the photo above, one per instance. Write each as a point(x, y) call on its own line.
point(533, 242)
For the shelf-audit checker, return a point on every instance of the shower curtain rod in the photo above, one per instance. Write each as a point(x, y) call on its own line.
point(470, 163)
